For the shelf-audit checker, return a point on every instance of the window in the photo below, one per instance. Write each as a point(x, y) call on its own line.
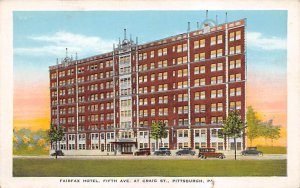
point(145, 55)
point(152, 88)
point(159, 52)
point(202, 81)
point(220, 39)
point(196, 57)
point(152, 100)
point(231, 65)
point(165, 63)
point(197, 82)
point(220, 79)
point(184, 48)
point(179, 60)
point(213, 41)
point(152, 77)
point(165, 51)
point(231, 36)
point(185, 72)
point(152, 66)
point(213, 54)
point(202, 56)
point(202, 96)
point(238, 49)
point(196, 44)
point(202, 108)
point(213, 107)
point(200, 121)
point(202, 43)
point(220, 66)
point(213, 94)
point(152, 112)
point(238, 77)
point(213, 80)
point(237, 35)
point(219, 52)
point(152, 54)
point(213, 67)
point(179, 48)
point(238, 91)
point(184, 59)
point(220, 93)
point(232, 92)
point(197, 70)
point(238, 105)
point(220, 107)
point(231, 50)
point(203, 134)
point(238, 63)
point(197, 108)
point(232, 78)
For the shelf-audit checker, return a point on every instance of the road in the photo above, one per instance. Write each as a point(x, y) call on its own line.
point(130, 157)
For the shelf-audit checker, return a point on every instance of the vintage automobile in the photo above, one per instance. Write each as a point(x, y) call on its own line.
point(252, 151)
point(58, 152)
point(143, 151)
point(185, 151)
point(162, 151)
point(210, 153)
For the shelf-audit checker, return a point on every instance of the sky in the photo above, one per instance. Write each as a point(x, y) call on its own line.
point(39, 37)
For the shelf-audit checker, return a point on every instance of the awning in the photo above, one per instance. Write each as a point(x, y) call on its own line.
point(120, 142)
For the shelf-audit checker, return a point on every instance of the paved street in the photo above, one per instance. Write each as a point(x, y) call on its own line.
point(130, 157)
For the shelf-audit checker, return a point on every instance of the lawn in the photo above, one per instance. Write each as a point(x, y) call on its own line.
point(142, 168)
point(272, 150)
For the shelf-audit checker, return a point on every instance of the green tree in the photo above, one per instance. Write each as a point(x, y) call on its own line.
point(233, 127)
point(159, 131)
point(55, 134)
point(253, 125)
point(269, 131)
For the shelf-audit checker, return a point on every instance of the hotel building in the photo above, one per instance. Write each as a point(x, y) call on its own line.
point(107, 103)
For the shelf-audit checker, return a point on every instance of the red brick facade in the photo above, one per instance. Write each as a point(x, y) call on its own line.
point(190, 81)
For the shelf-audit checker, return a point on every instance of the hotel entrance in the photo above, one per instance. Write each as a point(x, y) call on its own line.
point(126, 147)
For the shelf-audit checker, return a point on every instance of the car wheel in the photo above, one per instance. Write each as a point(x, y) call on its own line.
point(220, 157)
point(260, 154)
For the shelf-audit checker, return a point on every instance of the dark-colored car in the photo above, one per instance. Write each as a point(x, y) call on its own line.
point(185, 151)
point(210, 153)
point(162, 151)
point(252, 151)
point(143, 151)
point(59, 153)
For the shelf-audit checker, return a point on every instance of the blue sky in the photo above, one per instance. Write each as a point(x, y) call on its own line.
point(41, 36)
point(147, 25)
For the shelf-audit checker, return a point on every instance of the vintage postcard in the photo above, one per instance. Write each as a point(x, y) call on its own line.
point(149, 94)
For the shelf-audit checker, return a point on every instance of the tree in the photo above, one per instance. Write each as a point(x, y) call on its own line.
point(268, 130)
point(233, 127)
point(55, 134)
point(253, 125)
point(158, 131)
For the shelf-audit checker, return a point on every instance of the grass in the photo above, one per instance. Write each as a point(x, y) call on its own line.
point(272, 150)
point(142, 168)
point(34, 152)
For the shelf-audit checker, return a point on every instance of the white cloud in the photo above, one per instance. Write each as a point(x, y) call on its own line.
point(57, 43)
point(257, 40)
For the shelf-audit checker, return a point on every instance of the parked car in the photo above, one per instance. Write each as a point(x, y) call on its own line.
point(252, 151)
point(185, 151)
point(59, 153)
point(162, 151)
point(210, 153)
point(143, 151)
